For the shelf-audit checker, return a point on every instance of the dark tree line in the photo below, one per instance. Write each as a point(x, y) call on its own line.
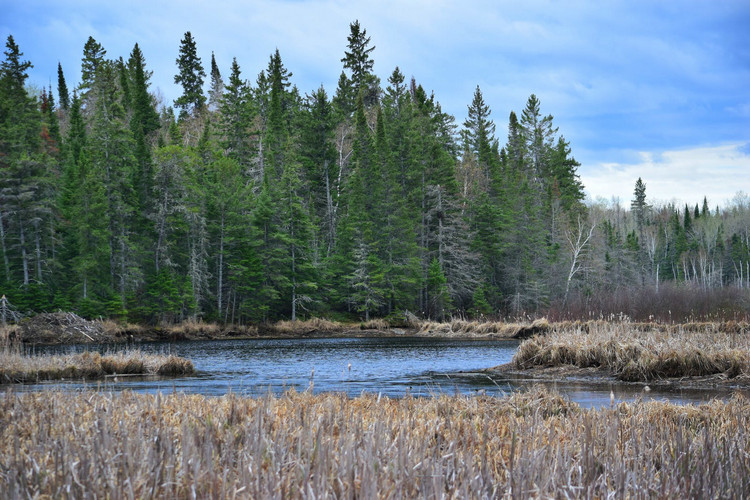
point(255, 202)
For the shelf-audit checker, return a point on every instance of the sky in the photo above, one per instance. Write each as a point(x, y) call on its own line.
point(640, 88)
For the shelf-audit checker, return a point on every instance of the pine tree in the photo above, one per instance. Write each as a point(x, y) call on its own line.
point(638, 205)
point(144, 122)
point(297, 235)
point(20, 124)
point(343, 99)
point(318, 159)
point(279, 116)
point(112, 148)
point(62, 89)
point(216, 91)
point(357, 59)
point(93, 57)
point(236, 122)
point(479, 133)
point(190, 75)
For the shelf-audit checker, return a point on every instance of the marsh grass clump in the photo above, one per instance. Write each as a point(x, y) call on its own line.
point(639, 353)
point(498, 329)
point(375, 324)
point(299, 445)
point(18, 367)
point(307, 326)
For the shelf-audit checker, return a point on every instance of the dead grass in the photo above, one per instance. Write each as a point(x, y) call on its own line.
point(375, 324)
point(307, 326)
point(642, 352)
point(17, 367)
point(497, 329)
point(536, 444)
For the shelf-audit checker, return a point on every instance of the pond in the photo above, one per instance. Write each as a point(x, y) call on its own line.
point(389, 366)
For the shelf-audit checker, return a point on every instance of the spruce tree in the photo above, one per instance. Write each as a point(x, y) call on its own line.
point(62, 89)
point(93, 57)
point(357, 59)
point(190, 75)
point(236, 122)
point(479, 132)
point(216, 91)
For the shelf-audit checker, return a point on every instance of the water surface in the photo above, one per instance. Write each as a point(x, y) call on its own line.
point(389, 366)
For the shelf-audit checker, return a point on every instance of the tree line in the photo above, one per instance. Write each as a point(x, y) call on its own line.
point(252, 202)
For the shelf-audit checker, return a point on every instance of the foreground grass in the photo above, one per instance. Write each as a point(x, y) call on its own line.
point(17, 367)
point(536, 444)
point(642, 353)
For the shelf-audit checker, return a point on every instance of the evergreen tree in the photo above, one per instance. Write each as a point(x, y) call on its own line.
point(318, 159)
point(236, 122)
point(278, 120)
point(20, 124)
point(62, 89)
point(479, 133)
point(216, 90)
point(190, 75)
point(638, 206)
point(144, 122)
point(357, 59)
point(93, 57)
point(112, 154)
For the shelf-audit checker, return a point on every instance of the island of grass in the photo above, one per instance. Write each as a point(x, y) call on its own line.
point(16, 367)
point(696, 353)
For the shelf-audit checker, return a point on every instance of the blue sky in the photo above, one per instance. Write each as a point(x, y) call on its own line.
point(651, 89)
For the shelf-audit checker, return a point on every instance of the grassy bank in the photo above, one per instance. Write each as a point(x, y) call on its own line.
point(460, 328)
point(17, 367)
point(642, 352)
point(300, 446)
point(68, 328)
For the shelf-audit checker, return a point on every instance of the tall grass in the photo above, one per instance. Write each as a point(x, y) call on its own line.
point(18, 367)
point(536, 444)
point(642, 352)
point(497, 329)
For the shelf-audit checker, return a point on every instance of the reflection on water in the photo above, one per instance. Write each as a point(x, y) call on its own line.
point(390, 366)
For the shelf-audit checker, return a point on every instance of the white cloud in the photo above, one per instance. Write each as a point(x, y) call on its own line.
point(684, 176)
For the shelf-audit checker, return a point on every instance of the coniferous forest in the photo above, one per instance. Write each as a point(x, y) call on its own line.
point(249, 200)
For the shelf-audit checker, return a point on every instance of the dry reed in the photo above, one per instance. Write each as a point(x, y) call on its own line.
point(307, 326)
point(496, 329)
point(535, 444)
point(17, 367)
point(639, 352)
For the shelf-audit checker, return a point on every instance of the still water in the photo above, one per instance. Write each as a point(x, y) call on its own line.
point(390, 366)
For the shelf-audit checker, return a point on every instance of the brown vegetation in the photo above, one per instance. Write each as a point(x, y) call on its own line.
point(532, 444)
point(642, 352)
point(17, 367)
point(670, 303)
point(497, 329)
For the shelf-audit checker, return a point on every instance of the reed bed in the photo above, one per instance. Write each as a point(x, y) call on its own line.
point(638, 353)
point(300, 445)
point(17, 367)
point(306, 326)
point(499, 329)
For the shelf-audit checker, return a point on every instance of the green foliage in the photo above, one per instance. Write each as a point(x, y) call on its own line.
point(261, 204)
point(190, 76)
point(93, 57)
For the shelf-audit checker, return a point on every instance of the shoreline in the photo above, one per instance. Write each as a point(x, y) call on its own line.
point(600, 376)
point(17, 368)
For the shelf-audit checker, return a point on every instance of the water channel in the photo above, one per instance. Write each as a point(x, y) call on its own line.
point(390, 366)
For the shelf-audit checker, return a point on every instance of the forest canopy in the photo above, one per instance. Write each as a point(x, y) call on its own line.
point(246, 200)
